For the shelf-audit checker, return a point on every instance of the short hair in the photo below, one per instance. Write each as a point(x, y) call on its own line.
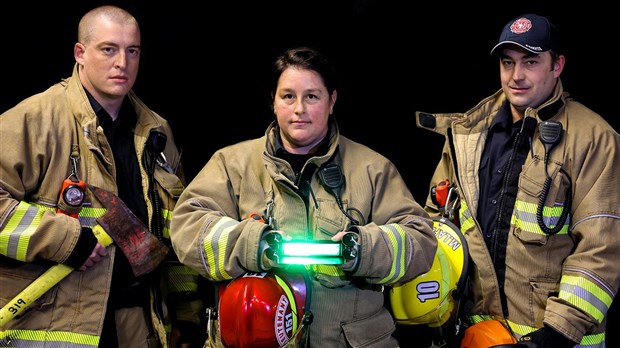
point(116, 14)
point(308, 59)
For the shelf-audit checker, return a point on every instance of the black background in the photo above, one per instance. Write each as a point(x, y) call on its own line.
point(205, 65)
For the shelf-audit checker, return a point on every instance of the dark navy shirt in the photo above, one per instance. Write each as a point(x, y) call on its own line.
point(495, 157)
point(120, 135)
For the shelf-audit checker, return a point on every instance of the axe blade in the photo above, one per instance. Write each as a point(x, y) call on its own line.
point(143, 250)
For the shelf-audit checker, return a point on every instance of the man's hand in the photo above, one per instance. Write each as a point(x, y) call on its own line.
point(269, 244)
point(351, 250)
point(98, 253)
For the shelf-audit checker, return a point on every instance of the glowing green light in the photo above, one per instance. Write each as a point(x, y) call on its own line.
point(311, 249)
point(315, 252)
point(290, 260)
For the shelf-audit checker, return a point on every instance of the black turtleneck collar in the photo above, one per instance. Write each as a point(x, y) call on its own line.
point(550, 110)
point(126, 115)
point(297, 161)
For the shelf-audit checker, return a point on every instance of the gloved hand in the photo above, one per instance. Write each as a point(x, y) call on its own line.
point(89, 249)
point(187, 334)
point(351, 251)
point(269, 244)
point(546, 337)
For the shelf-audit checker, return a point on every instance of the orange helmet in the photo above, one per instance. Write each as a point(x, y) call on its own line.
point(487, 333)
point(263, 310)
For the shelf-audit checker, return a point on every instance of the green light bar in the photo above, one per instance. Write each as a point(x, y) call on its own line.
point(309, 260)
point(294, 248)
point(316, 252)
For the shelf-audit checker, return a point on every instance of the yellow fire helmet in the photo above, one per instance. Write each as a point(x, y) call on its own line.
point(432, 298)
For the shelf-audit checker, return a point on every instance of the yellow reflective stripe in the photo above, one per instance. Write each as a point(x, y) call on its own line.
point(41, 206)
point(589, 341)
point(182, 278)
point(167, 216)
point(88, 215)
point(592, 341)
point(475, 319)
point(328, 270)
point(19, 338)
point(466, 220)
point(524, 217)
point(92, 212)
point(291, 299)
point(15, 237)
point(397, 237)
point(519, 330)
point(585, 295)
point(214, 246)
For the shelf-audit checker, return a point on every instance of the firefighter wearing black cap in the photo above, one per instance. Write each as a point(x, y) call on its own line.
point(539, 197)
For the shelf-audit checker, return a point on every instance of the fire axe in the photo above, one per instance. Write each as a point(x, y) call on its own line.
point(118, 225)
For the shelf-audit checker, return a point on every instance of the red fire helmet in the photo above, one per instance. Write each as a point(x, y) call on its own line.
point(263, 310)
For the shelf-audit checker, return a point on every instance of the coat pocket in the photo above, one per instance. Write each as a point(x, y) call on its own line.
point(536, 196)
point(540, 291)
point(15, 280)
point(328, 217)
point(374, 331)
point(170, 183)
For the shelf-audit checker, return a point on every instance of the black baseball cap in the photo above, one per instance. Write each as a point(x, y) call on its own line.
point(532, 32)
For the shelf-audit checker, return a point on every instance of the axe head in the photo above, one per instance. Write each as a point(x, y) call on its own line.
point(143, 250)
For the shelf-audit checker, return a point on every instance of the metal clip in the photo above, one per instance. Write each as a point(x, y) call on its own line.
point(451, 204)
point(269, 215)
point(75, 158)
point(163, 162)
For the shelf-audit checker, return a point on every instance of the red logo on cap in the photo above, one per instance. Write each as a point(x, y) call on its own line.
point(521, 25)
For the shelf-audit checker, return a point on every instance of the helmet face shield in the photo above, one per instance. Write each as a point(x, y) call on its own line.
point(262, 310)
point(432, 298)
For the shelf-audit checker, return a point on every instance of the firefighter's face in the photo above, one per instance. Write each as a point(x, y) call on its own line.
point(109, 60)
point(302, 106)
point(528, 79)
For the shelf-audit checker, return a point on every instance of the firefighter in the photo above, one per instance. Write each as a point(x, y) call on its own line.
point(536, 173)
point(308, 182)
point(91, 129)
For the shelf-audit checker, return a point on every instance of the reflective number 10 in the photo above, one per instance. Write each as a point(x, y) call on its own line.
point(428, 291)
